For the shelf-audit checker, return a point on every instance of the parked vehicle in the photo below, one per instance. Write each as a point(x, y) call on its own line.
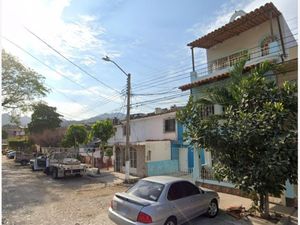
point(38, 163)
point(23, 157)
point(162, 200)
point(61, 164)
point(11, 154)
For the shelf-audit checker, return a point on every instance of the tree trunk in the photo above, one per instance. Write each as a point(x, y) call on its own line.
point(264, 205)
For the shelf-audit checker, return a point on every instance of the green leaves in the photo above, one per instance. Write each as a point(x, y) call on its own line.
point(103, 130)
point(76, 134)
point(20, 85)
point(255, 142)
point(43, 117)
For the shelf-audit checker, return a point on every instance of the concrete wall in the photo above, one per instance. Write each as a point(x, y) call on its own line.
point(160, 150)
point(148, 128)
point(290, 76)
point(162, 167)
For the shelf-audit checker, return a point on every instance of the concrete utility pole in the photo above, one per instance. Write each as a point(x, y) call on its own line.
point(127, 157)
point(127, 161)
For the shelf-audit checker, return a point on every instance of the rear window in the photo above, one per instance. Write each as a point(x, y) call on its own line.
point(146, 190)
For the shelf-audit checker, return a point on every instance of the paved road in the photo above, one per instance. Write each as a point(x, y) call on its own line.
point(32, 198)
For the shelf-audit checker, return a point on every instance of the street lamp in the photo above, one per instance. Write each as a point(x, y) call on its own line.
point(127, 162)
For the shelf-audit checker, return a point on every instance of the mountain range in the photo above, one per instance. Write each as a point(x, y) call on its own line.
point(24, 120)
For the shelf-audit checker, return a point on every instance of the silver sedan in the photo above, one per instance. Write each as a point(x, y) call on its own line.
point(162, 200)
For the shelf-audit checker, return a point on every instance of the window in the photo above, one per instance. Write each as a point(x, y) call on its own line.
point(181, 190)
point(175, 192)
point(189, 189)
point(265, 48)
point(133, 157)
point(236, 57)
point(149, 156)
point(169, 125)
point(147, 190)
point(207, 111)
point(124, 130)
point(123, 156)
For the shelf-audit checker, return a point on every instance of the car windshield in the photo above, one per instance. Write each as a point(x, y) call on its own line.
point(146, 190)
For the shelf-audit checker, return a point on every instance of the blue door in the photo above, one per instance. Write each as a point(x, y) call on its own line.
point(190, 158)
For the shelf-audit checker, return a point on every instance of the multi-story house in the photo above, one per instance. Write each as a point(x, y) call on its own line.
point(156, 144)
point(259, 35)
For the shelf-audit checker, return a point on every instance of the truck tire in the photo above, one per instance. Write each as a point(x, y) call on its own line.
point(46, 171)
point(54, 173)
point(32, 167)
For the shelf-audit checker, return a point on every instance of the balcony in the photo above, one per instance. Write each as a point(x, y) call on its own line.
point(270, 52)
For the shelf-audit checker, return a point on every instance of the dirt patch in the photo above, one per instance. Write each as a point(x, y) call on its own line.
point(31, 198)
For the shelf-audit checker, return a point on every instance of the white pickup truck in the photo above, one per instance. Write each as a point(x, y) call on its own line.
point(62, 164)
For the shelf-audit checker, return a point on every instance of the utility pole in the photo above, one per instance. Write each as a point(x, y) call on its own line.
point(127, 152)
point(127, 146)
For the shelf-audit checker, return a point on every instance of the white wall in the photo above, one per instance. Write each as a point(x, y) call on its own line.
point(160, 150)
point(249, 39)
point(148, 128)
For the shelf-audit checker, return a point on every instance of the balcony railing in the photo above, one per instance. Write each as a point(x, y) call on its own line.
point(223, 65)
point(253, 55)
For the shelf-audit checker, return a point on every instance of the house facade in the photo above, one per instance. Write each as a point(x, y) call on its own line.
point(156, 145)
point(259, 35)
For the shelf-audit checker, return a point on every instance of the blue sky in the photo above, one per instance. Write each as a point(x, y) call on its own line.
point(146, 38)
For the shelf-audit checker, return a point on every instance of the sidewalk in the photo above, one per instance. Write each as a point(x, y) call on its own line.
point(227, 200)
point(109, 176)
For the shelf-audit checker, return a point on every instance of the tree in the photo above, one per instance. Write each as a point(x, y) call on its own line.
point(49, 137)
point(20, 85)
point(255, 140)
point(103, 130)
point(43, 117)
point(75, 135)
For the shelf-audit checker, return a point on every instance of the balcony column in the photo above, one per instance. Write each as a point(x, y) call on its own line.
point(193, 59)
point(271, 26)
point(281, 38)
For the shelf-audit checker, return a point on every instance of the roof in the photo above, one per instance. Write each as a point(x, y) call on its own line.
point(210, 79)
point(152, 114)
point(240, 25)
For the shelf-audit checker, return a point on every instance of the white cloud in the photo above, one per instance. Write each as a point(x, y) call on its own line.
point(73, 39)
point(71, 110)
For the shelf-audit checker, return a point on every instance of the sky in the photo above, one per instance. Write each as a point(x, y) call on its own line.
point(65, 41)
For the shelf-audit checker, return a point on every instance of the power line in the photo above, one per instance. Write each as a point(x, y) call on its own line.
point(204, 69)
point(151, 74)
point(176, 96)
point(188, 68)
point(51, 68)
point(74, 64)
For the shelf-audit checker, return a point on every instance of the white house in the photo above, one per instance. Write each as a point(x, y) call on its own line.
point(154, 137)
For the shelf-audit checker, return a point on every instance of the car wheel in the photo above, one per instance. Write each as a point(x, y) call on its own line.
point(171, 221)
point(54, 173)
point(213, 209)
point(32, 167)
